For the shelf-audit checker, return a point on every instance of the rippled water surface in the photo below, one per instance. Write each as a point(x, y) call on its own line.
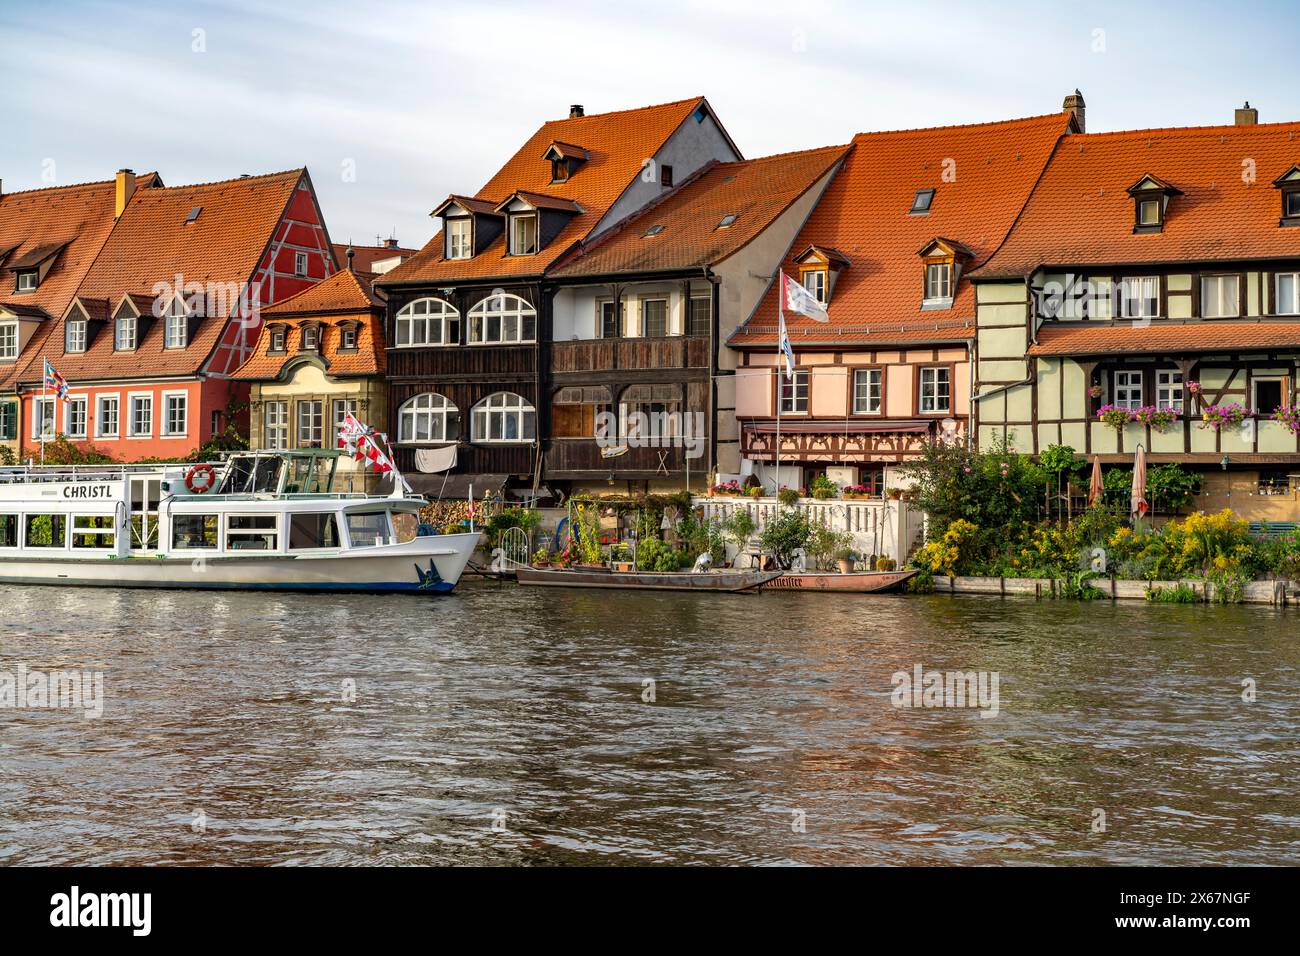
point(527, 704)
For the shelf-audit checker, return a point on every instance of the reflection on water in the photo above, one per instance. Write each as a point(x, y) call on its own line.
point(529, 702)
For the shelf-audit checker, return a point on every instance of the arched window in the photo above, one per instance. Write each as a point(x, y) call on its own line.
point(502, 318)
point(428, 322)
point(428, 417)
point(504, 417)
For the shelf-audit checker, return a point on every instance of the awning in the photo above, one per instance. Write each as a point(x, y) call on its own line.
point(456, 486)
point(837, 428)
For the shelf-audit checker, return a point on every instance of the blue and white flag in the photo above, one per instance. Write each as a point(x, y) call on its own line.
point(785, 346)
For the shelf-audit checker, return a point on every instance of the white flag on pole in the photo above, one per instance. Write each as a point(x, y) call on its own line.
point(798, 299)
point(785, 346)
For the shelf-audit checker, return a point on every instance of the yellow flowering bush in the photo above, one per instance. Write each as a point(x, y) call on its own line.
point(944, 556)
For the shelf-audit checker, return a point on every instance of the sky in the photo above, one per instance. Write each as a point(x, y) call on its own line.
point(392, 106)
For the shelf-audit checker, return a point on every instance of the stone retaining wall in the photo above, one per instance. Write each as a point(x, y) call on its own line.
point(1256, 592)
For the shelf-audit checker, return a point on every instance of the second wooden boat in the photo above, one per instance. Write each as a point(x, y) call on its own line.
point(859, 582)
point(647, 580)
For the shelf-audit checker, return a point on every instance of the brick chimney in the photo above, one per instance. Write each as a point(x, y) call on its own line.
point(125, 190)
point(1074, 104)
point(575, 111)
point(1246, 116)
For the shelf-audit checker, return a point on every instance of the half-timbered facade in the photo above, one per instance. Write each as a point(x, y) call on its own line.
point(888, 249)
point(168, 312)
point(637, 367)
point(470, 324)
point(1156, 274)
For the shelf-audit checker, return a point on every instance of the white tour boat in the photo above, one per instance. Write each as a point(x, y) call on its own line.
point(258, 520)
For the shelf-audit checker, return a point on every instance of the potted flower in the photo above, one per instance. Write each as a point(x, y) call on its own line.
point(1095, 391)
point(727, 488)
point(621, 555)
point(1160, 418)
point(856, 491)
point(845, 558)
point(542, 558)
point(755, 491)
point(1289, 417)
point(894, 493)
point(1219, 417)
point(1114, 416)
point(787, 496)
point(823, 488)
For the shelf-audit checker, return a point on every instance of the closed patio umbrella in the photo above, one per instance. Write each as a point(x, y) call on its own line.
point(1138, 506)
point(1095, 487)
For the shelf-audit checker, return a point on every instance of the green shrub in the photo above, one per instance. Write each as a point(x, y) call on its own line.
point(784, 536)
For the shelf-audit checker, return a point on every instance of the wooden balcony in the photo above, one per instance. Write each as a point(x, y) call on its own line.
point(607, 355)
point(463, 361)
point(581, 458)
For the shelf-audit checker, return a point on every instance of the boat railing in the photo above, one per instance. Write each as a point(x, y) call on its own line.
point(15, 474)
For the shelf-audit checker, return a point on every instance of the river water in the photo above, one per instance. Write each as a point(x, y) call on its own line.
point(507, 725)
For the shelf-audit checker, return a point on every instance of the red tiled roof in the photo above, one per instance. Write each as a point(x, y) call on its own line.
point(981, 174)
point(1089, 338)
point(364, 257)
point(151, 245)
point(1081, 211)
point(80, 216)
point(617, 144)
point(755, 191)
point(343, 296)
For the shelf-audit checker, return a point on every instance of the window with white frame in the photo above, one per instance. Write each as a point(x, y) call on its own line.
point(523, 234)
point(348, 338)
point(867, 384)
point(176, 328)
point(175, 414)
point(1287, 293)
point(654, 318)
point(428, 322)
point(43, 419)
point(936, 390)
point(74, 335)
point(94, 532)
point(74, 417)
point(311, 337)
point(1219, 297)
point(428, 417)
point(814, 280)
point(8, 340)
point(311, 424)
point(938, 280)
point(794, 391)
point(141, 420)
point(504, 319)
point(106, 412)
point(124, 332)
point(459, 238)
point(277, 339)
point(275, 425)
point(1139, 297)
point(27, 281)
point(1169, 389)
point(503, 417)
point(300, 263)
point(252, 533)
point(342, 407)
point(1128, 390)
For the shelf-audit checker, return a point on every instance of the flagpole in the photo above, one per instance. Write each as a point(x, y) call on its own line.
point(780, 372)
point(41, 426)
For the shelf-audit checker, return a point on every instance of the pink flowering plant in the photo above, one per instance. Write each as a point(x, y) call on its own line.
point(1114, 416)
point(1160, 417)
point(1095, 391)
point(1194, 388)
point(727, 488)
point(1288, 416)
point(1229, 415)
point(857, 491)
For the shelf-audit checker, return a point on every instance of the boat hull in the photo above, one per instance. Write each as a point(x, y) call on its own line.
point(726, 581)
point(858, 582)
point(424, 565)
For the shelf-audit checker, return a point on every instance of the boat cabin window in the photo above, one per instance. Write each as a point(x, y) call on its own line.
point(366, 530)
point(8, 531)
point(194, 531)
point(309, 475)
point(93, 531)
point(313, 530)
point(252, 475)
point(46, 531)
point(251, 533)
point(406, 526)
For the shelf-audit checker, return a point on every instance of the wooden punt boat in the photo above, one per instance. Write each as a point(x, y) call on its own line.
point(727, 581)
point(857, 582)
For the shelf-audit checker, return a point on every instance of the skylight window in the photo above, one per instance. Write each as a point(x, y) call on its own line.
point(921, 202)
point(194, 214)
point(654, 230)
point(727, 220)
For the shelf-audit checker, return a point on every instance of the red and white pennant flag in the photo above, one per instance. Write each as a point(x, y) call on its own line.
point(362, 443)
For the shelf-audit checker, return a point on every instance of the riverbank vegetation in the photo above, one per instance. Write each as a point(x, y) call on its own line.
point(1000, 514)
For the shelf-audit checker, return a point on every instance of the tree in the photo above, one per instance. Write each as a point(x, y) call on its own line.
point(784, 536)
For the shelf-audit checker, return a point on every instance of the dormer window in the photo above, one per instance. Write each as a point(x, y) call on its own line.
point(921, 202)
point(460, 238)
point(74, 335)
point(176, 327)
point(310, 338)
point(814, 280)
point(818, 269)
point(1289, 184)
point(938, 280)
point(523, 234)
point(124, 330)
point(348, 339)
point(943, 260)
point(565, 158)
point(26, 281)
point(559, 170)
point(277, 340)
point(1150, 203)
